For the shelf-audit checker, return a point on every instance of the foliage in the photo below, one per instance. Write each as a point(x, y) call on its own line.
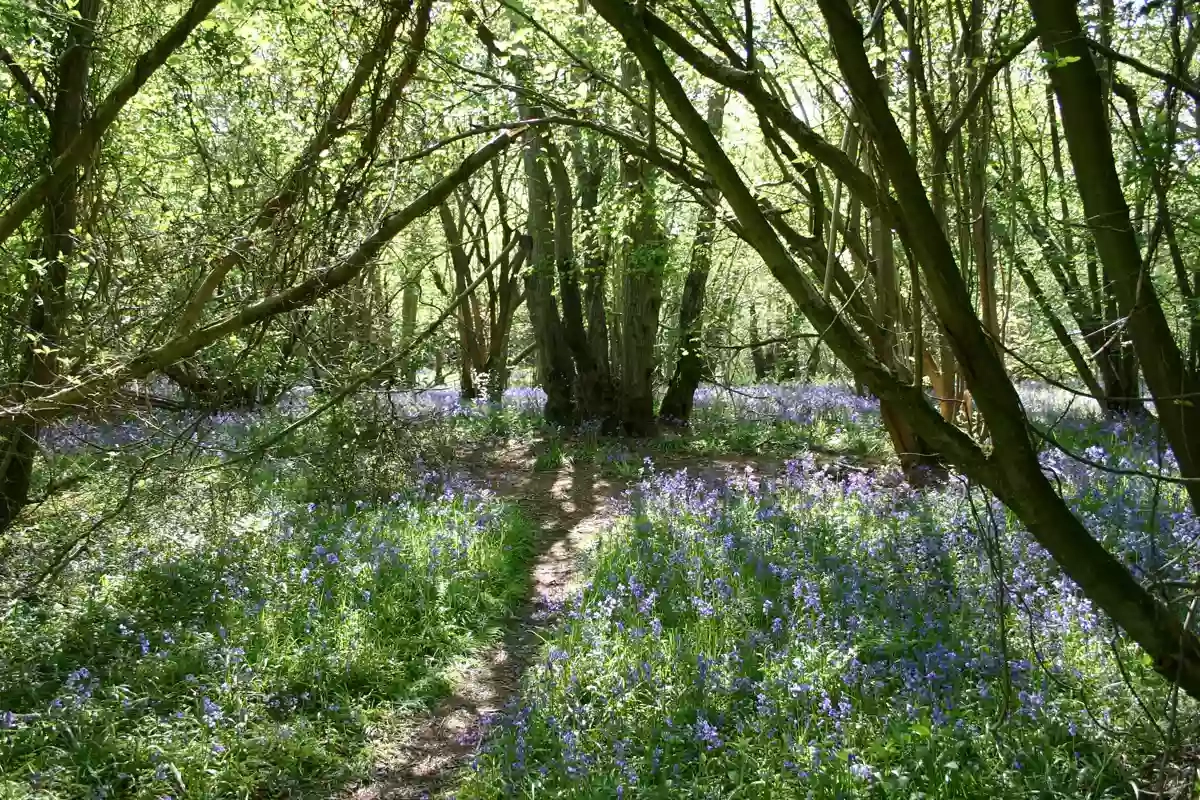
point(237, 641)
point(207, 592)
point(824, 634)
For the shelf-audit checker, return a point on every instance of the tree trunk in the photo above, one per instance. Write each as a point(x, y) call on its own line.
point(978, 135)
point(912, 450)
point(758, 353)
point(1093, 306)
point(48, 312)
point(589, 162)
point(410, 298)
point(690, 366)
point(641, 281)
point(594, 396)
point(553, 353)
point(469, 360)
point(1078, 87)
point(439, 366)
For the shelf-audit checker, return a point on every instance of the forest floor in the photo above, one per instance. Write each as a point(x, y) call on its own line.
point(581, 619)
point(419, 756)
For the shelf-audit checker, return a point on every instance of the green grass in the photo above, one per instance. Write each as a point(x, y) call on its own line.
point(832, 638)
point(551, 456)
point(229, 641)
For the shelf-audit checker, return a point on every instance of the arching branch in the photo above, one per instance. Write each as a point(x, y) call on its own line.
point(22, 78)
point(81, 393)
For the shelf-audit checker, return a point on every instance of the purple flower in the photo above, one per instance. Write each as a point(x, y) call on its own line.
point(860, 770)
point(706, 734)
point(212, 712)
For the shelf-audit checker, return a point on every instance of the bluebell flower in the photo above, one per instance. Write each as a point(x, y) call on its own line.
point(211, 712)
point(706, 734)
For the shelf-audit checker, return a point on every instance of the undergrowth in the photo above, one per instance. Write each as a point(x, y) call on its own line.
point(830, 637)
point(233, 637)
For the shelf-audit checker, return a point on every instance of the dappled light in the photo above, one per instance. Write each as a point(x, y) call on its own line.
point(600, 399)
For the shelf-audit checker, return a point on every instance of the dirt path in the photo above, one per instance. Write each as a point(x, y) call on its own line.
point(570, 506)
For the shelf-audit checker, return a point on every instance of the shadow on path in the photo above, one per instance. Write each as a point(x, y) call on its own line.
point(422, 757)
point(569, 506)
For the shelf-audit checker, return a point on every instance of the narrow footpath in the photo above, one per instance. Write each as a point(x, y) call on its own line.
point(570, 507)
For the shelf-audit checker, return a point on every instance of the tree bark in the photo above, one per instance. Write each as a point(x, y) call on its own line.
point(555, 366)
point(690, 365)
point(1078, 86)
point(642, 268)
point(589, 163)
point(410, 298)
point(48, 312)
point(594, 396)
point(469, 358)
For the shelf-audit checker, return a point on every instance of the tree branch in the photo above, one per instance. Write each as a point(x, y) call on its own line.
point(1183, 85)
point(298, 177)
point(985, 80)
point(79, 392)
point(23, 80)
point(79, 149)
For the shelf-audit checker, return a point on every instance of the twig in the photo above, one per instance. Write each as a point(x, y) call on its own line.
point(1168, 78)
point(23, 80)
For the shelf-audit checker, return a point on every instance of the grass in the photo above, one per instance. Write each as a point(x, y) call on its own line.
point(235, 641)
point(830, 637)
point(237, 632)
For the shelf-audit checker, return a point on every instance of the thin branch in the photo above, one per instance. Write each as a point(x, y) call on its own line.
point(764, 342)
point(985, 80)
point(1182, 84)
point(1132, 473)
point(23, 80)
point(668, 161)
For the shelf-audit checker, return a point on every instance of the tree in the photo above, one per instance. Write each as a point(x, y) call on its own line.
point(1011, 470)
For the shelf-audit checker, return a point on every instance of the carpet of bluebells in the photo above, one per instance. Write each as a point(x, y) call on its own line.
point(822, 631)
point(233, 642)
point(822, 635)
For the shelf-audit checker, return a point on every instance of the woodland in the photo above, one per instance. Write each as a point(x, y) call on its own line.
point(599, 398)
